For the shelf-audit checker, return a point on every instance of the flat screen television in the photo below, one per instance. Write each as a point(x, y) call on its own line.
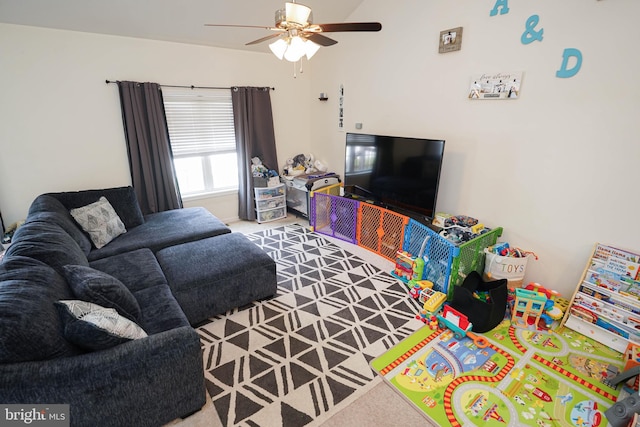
point(398, 173)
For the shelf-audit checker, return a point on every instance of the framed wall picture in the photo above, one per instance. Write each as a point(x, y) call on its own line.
point(495, 85)
point(450, 40)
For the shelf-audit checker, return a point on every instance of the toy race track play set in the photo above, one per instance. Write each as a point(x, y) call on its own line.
point(522, 377)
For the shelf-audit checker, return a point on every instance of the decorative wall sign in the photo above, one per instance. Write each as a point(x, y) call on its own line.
point(532, 33)
point(450, 40)
point(495, 86)
point(341, 108)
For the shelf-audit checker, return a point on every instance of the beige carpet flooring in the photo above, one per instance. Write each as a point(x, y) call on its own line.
point(380, 406)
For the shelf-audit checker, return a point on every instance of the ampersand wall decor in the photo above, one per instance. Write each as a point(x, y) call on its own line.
point(571, 57)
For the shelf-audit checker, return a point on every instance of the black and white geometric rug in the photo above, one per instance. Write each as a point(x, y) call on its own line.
point(301, 356)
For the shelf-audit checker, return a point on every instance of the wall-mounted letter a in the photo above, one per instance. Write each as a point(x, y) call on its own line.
point(504, 4)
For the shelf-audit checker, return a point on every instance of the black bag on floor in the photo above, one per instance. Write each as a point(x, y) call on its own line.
point(484, 315)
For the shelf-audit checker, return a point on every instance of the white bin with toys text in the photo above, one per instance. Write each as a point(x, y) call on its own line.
point(505, 267)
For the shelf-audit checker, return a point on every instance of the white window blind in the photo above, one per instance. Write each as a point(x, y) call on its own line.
point(200, 121)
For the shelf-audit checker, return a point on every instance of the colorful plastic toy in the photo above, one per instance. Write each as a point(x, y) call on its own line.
point(414, 292)
point(527, 308)
point(408, 268)
point(553, 306)
point(459, 324)
point(432, 300)
point(433, 323)
point(424, 284)
point(422, 315)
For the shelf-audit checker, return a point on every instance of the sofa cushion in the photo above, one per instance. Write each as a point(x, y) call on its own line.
point(95, 327)
point(46, 242)
point(161, 312)
point(100, 221)
point(100, 288)
point(163, 229)
point(137, 270)
point(30, 327)
point(123, 200)
point(47, 208)
point(140, 272)
point(210, 276)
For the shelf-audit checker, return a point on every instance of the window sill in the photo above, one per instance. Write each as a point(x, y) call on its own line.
point(211, 195)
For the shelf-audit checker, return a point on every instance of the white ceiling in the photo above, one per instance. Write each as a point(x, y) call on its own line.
point(169, 20)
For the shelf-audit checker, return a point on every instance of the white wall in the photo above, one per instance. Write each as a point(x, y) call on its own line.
point(557, 168)
point(61, 123)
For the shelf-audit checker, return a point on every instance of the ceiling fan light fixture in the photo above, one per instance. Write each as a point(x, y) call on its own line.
point(279, 47)
point(296, 49)
point(311, 48)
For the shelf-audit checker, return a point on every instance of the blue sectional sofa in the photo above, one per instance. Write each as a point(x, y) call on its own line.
point(152, 283)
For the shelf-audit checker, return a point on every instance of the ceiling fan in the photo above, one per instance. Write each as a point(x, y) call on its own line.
point(297, 35)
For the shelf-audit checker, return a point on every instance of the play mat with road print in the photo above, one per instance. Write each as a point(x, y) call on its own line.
point(523, 378)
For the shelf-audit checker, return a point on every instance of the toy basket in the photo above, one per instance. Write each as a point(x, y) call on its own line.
point(447, 264)
point(504, 267)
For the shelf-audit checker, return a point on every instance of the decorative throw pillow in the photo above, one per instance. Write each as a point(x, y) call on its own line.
point(94, 327)
point(100, 221)
point(101, 288)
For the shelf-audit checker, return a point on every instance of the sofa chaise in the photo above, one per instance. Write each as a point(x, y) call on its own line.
point(108, 327)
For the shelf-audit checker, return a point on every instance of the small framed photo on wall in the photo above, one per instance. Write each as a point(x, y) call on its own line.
point(450, 40)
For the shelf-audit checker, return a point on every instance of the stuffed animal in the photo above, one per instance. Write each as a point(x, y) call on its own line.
point(258, 169)
point(320, 166)
point(301, 164)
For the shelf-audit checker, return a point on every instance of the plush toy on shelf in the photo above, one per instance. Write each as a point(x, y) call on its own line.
point(303, 164)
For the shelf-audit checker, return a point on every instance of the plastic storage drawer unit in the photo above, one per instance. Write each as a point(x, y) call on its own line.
point(271, 203)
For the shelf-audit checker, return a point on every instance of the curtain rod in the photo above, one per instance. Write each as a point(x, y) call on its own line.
point(187, 87)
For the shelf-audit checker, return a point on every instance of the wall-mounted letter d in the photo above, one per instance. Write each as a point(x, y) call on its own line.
point(568, 53)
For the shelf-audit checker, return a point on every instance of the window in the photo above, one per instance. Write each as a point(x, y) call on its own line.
point(203, 141)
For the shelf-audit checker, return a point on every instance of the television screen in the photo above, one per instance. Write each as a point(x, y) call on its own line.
point(396, 172)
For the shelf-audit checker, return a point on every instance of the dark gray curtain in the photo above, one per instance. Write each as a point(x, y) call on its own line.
point(255, 137)
point(150, 159)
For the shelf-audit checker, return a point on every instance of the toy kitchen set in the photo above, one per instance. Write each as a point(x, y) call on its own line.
point(299, 188)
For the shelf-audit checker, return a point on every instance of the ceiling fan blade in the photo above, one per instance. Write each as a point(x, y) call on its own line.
point(320, 39)
point(349, 26)
point(244, 26)
point(263, 39)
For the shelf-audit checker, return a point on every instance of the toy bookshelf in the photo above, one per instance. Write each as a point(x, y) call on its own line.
point(606, 303)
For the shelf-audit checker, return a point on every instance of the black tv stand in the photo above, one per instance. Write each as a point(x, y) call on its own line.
point(365, 198)
point(368, 198)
